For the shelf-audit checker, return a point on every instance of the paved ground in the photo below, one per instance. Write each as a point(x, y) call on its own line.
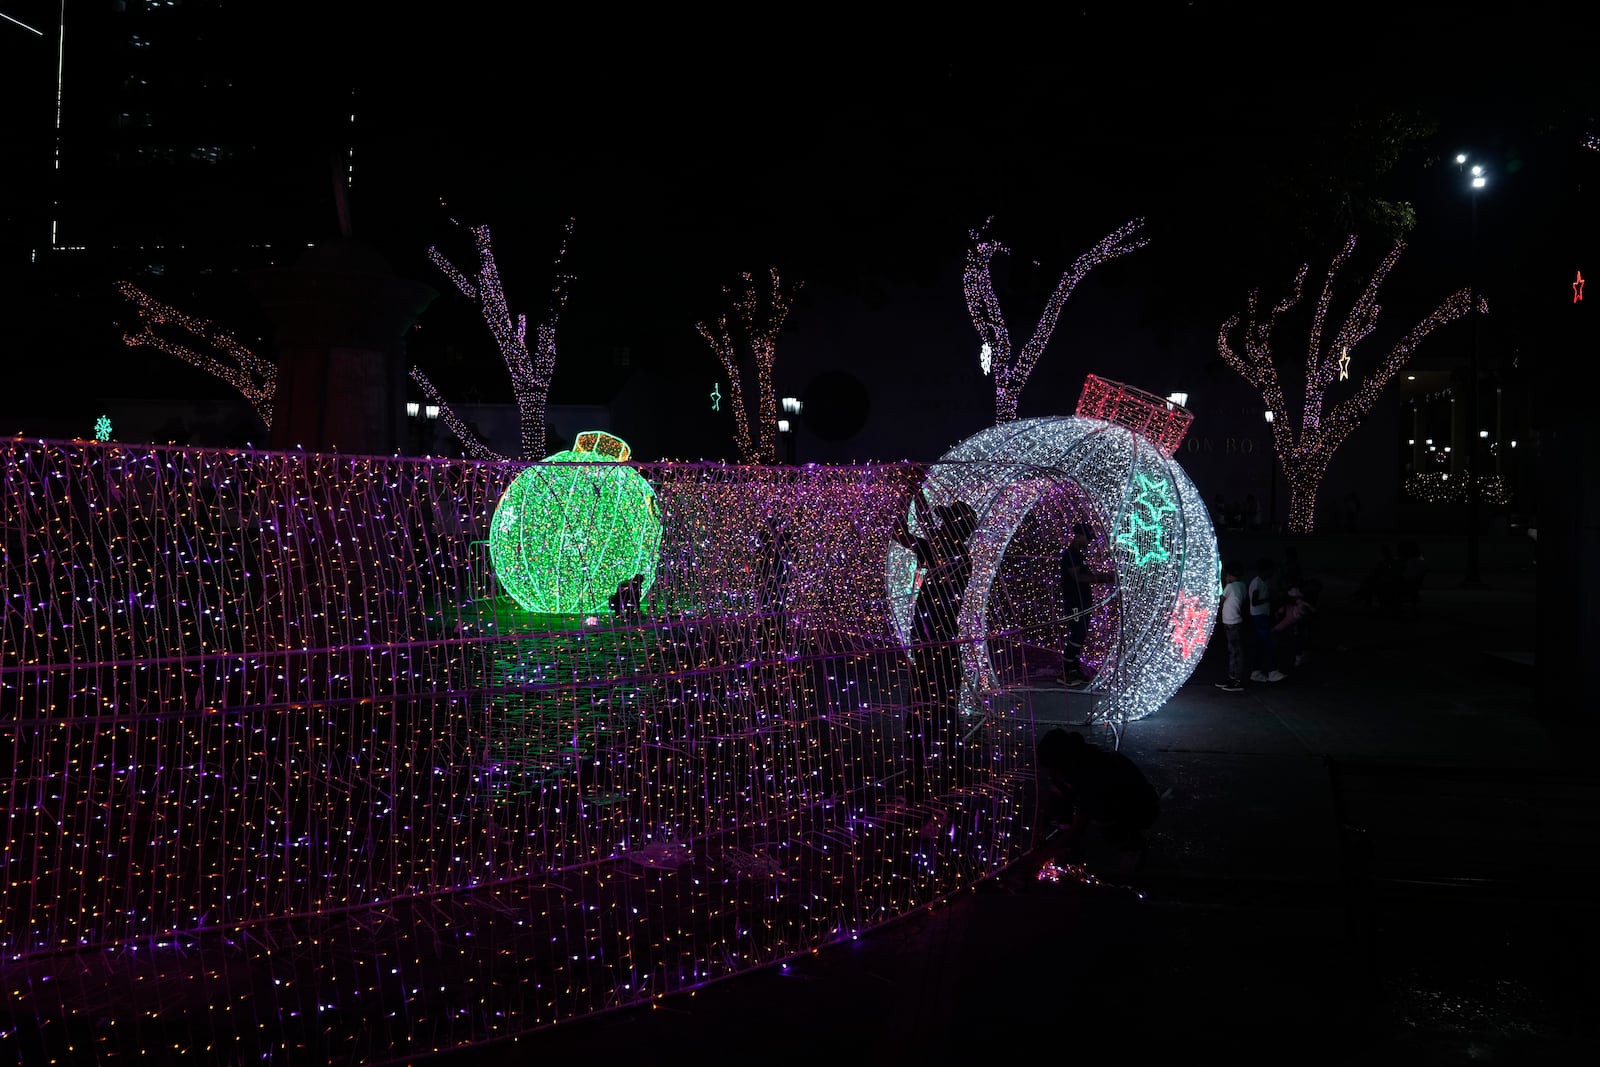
point(1387, 858)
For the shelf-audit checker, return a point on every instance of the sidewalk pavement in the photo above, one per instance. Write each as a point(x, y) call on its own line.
point(1389, 857)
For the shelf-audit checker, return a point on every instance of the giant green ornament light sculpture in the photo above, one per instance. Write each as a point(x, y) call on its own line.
point(569, 530)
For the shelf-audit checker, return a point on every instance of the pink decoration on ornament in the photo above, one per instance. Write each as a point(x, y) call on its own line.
point(1163, 421)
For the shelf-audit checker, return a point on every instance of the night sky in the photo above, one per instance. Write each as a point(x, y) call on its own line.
point(856, 157)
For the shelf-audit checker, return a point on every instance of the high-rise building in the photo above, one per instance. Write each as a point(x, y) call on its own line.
point(151, 140)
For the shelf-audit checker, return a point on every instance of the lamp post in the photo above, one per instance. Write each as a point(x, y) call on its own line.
point(786, 427)
point(1272, 476)
point(1474, 468)
point(422, 430)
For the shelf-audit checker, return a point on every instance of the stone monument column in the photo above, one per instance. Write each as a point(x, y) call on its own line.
point(339, 317)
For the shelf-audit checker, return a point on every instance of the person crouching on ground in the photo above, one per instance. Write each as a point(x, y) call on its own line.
point(1087, 792)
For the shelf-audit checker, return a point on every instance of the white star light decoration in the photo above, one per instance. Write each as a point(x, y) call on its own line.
point(1344, 364)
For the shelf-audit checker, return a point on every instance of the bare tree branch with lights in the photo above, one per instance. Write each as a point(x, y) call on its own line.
point(1304, 456)
point(1011, 370)
point(532, 369)
point(760, 322)
point(219, 353)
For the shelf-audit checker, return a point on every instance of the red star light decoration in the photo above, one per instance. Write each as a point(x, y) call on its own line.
point(1189, 623)
point(1577, 289)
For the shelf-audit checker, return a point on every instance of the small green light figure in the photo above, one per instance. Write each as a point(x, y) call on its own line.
point(102, 428)
point(569, 530)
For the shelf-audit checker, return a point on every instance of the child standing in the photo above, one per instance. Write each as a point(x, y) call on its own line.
point(1260, 595)
point(1232, 614)
point(1294, 622)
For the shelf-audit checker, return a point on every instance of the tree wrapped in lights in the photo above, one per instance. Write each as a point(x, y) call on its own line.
point(531, 370)
point(760, 322)
point(1304, 456)
point(218, 353)
point(1011, 370)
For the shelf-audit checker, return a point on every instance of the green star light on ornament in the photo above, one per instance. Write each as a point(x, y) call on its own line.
point(1145, 536)
point(1143, 539)
point(1155, 496)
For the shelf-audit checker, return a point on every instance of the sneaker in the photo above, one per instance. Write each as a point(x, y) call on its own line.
point(1276, 676)
point(1230, 686)
point(1258, 676)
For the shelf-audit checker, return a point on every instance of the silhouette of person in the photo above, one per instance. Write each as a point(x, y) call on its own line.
point(946, 566)
point(1077, 596)
point(1085, 789)
point(625, 602)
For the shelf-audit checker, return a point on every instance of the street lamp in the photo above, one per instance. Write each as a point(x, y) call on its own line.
point(791, 406)
point(1272, 477)
point(1474, 469)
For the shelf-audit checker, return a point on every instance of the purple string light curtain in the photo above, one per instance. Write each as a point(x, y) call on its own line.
point(287, 768)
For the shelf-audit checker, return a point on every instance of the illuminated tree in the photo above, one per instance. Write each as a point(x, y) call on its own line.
point(759, 321)
point(531, 370)
point(1011, 370)
point(1304, 451)
point(205, 345)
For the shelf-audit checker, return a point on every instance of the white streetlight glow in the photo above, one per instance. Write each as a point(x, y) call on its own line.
point(1479, 183)
point(1461, 157)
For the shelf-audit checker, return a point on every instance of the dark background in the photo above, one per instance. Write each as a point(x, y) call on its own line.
point(850, 149)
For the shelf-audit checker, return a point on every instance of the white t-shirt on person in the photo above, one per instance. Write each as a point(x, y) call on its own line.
point(1233, 603)
point(1265, 587)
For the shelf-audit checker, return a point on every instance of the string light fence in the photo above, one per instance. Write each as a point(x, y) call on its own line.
point(293, 776)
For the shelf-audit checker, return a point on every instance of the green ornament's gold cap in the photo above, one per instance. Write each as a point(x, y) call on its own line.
point(602, 443)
